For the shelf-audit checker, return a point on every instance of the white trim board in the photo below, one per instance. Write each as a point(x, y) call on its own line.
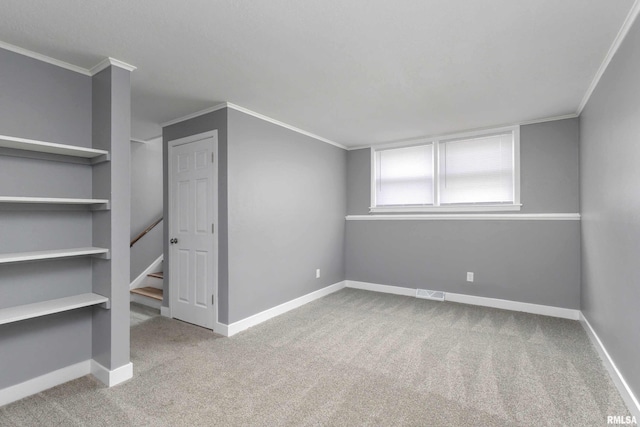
point(467, 217)
point(622, 34)
point(254, 114)
point(44, 58)
point(44, 382)
point(525, 307)
point(194, 115)
point(623, 388)
point(63, 375)
point(109, 62)
point(263, 316)
point(62, 64)
point(138, 280)
point(432, 137)
point(545, 310)
point(111, 377)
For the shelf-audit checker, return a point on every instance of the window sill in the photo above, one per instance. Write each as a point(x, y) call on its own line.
point(447, 209)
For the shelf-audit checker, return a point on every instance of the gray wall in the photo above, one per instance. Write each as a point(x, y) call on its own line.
point(207, 122)
point(529, 261)
point(146, 204)
point(42, 101)
point(287, 202)
point(610, 205)
point(281, 212)
point(146, 185)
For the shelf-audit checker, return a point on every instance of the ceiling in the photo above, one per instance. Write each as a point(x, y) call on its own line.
point(356, 72)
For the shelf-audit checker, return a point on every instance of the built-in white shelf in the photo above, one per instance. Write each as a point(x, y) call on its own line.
point(91, 155)
point(38, 309)
point(94, 203)
point(53, 254)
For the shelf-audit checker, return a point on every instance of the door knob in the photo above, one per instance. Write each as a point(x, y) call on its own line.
point(174, 240)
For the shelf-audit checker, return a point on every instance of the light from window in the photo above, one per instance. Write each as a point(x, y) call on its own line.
point(477, 172)
point(404, 176)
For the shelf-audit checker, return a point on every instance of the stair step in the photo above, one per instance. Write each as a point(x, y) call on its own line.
point(150, 292)
point(159, 275)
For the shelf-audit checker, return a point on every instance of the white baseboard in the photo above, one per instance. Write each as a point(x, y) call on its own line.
point(386, 289)
point(565, 313)
point(44, 382)
point(622, 386)
point(165, 311)
point(545, 310)
point(221, 328)
point(263, 316)
point(111, 377)
point(149, 302)
point(137, 282)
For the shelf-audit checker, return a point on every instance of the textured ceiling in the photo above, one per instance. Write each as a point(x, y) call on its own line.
point(356, 72)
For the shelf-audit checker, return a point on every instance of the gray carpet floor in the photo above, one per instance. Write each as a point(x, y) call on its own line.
point(351, 358)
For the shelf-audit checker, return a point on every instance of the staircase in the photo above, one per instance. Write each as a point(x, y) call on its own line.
point(150, 294)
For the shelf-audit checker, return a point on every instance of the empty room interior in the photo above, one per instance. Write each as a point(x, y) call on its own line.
point(337, 213)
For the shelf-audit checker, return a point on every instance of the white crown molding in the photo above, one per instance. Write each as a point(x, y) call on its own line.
point(254, 114)
point(622, 34)
point(498, 128)
point(550, 119)
point(146, 141)
point(194, 115)
point(468, 217)
point(44, 58)
point(110, 62)
point(622, 386)
point(284, 125)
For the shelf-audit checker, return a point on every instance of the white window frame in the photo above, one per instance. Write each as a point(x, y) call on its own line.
point(436, 207)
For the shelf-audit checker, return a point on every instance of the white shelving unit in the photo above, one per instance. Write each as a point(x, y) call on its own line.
point(91, 203)
point(20, 147)
point(37, 148)
point(38, 309)
point(52, 254)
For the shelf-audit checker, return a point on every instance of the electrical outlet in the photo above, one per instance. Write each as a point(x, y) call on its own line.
point(469, 276)
point(317, 273)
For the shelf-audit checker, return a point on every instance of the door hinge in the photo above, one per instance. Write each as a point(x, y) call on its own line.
point(213, 229)
point(212, 158)
point(212, 299)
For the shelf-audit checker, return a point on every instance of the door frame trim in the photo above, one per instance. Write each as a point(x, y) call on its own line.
point(215, 325)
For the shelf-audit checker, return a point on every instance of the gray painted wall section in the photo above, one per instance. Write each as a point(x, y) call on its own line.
point(146, 185)
point(111, 131)
point(536, 262)
point(287, 202)
point(42, 101)
point(529, 261)
point(146, 204)
point(549, 170)
point(205, 123)
point(610, 205)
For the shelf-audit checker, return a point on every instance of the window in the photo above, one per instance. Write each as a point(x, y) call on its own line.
point(473, 172)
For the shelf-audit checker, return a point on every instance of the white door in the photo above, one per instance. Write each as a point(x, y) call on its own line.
point(192, 215)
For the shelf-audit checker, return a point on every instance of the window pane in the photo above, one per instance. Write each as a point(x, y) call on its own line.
point(404, 176)
point(477, 170)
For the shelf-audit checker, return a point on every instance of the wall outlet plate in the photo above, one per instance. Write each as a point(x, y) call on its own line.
point(469, 276)
point(317, 273)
